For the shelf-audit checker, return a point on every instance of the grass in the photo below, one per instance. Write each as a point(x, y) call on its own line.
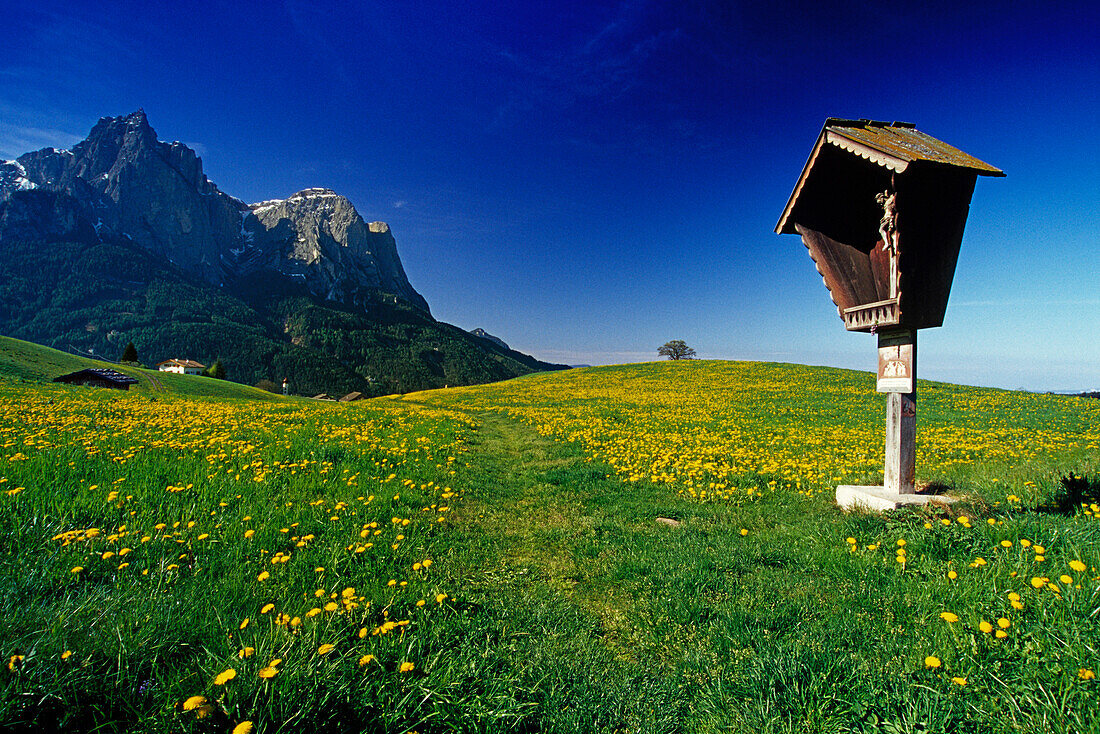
point(554, 600)
point(32, 363)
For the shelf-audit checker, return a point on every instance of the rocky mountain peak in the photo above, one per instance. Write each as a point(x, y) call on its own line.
point(479, 332)
point(122, 183)
point(317, 235)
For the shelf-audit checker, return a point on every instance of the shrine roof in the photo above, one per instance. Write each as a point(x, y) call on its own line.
point(890, 145)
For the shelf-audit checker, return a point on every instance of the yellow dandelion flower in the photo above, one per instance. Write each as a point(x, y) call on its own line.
point(245, 727)
point(932, 662)
point(365, 660)
point(1077, 566)
point(1037, 582)
point(1003, 623)
point(194, 702)
point(313, 612)
point(246, 652)
point(264, 575)
point(249, 533)
point(77, 569)
point(949, 617)
point(331, 606)
point(744, 531)
point(325, 649)
point(244, 623)
point(268, 672)
point(66, 655)
point(267, 608)
point(15, 661)
point(1000, 634)
point(985, 627)
point(406, 667)
point(952, 575)
point(225, 676)
point(959, 681)
point(1065, 579)
point(1085, 674)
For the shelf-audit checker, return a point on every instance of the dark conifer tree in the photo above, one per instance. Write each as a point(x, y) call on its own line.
point(129, 354)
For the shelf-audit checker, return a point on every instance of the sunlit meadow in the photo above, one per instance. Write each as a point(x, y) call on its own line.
point(639, 548)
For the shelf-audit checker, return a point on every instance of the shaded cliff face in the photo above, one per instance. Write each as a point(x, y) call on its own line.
point(129, 185)
point(122, 184)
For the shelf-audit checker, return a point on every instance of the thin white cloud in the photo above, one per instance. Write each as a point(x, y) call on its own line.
point(15, 140)
point(604, 66)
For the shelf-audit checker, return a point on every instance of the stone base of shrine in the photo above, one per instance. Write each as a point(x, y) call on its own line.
point(879, 499)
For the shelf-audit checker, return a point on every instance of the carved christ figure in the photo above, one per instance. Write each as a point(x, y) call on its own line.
point(888, 229)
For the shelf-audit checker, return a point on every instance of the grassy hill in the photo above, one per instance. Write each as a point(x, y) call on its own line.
point(638, 548)
point(28, 362)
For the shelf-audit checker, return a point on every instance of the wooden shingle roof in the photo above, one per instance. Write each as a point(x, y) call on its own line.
point(891, 145)
point(101, 372)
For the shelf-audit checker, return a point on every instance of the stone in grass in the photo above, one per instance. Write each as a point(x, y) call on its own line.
point(669, 521)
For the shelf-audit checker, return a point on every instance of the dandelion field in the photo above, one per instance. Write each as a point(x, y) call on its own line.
point(638, 548)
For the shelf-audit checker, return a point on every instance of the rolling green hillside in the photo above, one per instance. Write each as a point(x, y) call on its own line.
point(647, 548)
point(25, 362)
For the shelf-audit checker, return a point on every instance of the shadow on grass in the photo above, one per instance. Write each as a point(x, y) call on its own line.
point(1072, 492)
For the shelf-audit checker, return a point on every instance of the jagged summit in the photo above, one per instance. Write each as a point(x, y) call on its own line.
point(318, 236)
point(123, 184)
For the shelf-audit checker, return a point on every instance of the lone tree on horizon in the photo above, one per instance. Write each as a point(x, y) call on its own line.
point(676, 349)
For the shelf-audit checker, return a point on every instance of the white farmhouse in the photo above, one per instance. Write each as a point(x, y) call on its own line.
point(181, 366)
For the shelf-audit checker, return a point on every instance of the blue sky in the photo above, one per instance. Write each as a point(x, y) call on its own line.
point(589, 180)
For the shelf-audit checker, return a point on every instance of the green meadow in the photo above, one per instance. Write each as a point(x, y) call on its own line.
point(647, 548)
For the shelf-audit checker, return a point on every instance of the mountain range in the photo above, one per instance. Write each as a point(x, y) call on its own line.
point(123, 238)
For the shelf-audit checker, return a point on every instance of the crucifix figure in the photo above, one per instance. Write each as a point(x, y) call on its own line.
point(888, 229)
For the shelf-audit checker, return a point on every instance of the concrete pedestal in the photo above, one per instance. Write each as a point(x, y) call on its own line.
point(879, 499)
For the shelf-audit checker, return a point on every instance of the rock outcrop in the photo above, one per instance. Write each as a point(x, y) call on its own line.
point(122, 184)
point(316, 235)
point(486, 335)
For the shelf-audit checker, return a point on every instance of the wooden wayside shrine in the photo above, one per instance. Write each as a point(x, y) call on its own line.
point(881, 207)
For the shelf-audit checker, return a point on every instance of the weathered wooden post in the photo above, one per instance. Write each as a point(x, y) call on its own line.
point(881, 208)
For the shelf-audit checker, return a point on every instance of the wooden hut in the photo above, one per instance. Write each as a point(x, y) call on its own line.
point(98, 377)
